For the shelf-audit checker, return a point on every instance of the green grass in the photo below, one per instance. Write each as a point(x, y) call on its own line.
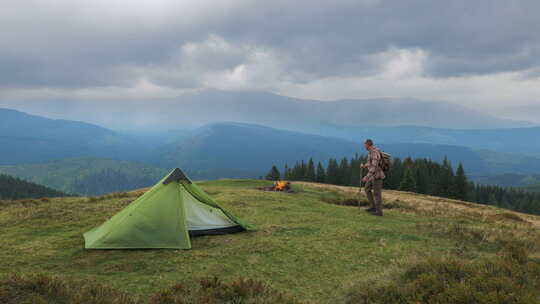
point(305, 244)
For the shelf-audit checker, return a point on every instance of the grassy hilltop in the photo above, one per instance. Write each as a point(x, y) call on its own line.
point(310, 245)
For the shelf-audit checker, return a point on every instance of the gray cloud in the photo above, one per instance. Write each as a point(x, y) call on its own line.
point(77, 44)
point(484, 54)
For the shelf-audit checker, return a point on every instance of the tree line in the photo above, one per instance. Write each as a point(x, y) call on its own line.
point(422, 176)
point(15, 188)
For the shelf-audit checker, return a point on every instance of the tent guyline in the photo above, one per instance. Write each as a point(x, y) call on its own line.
point(166, 216)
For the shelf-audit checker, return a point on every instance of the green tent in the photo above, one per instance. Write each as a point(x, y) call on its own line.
point(164, 217)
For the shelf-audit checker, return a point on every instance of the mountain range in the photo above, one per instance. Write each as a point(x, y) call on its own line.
point(83, 158)
point(248, 150)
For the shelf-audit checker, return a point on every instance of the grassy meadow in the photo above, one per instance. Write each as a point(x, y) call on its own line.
point(314, 245)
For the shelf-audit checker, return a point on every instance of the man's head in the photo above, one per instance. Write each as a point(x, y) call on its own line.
point(368, 144)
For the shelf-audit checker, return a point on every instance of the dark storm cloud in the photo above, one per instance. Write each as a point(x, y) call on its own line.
point(74, 45)
point(463, 37)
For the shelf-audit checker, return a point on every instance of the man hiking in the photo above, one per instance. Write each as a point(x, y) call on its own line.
point(374, 178)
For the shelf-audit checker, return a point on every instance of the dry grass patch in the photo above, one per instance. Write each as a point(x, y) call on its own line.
point(215, 291)
point(44, 289)
point(507, 216)
point(509, 277)
point(433, 206)
point(113, 196)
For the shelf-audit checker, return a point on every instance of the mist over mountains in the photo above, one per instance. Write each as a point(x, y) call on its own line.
point(302, 115)
point(530, 112)
point(209, 106)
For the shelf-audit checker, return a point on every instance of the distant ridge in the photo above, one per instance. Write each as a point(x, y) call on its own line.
point(19, 124)
point(26, 138)
point(15, 188)
point(244, 149)
point(241, 150)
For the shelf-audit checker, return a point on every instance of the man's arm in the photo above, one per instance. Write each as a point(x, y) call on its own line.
point(373, 162)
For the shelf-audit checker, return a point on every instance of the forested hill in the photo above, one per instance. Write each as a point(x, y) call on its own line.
point(15, 188)
point(88, 176)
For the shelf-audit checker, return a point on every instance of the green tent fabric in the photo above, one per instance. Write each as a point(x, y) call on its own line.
point(165, 217)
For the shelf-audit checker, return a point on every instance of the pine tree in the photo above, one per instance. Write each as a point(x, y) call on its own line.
point(492, 199)
point(296, 172)
point(273, 174)
point(310, 171)
point(461, 186)
point(302, 171)
point(420, 172)
point(445, 180)
point(354, 172)
point(287, 173)
point(321, 175)
point(408, 183)
point(394, 177)
point(343, 172)
point(332, 172)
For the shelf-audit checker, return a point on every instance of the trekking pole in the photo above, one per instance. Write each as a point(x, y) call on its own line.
point(361, 176)
point(360, 189)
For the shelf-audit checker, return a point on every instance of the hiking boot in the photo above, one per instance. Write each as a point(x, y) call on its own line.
point(372, 209)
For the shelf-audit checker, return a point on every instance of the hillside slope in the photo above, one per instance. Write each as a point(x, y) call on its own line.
point(88, 176)
point(20, 124)
point(15, 188)
point(26, 138)
point(308, 244)
point(242, 150)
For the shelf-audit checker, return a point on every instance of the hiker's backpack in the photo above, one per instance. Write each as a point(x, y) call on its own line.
point(386, 161)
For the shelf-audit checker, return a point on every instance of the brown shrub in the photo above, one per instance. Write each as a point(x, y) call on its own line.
point(214, 291)
point(45, 289)
point(509, 277)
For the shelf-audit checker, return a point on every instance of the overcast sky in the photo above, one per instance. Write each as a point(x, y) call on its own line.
point(483, 54)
